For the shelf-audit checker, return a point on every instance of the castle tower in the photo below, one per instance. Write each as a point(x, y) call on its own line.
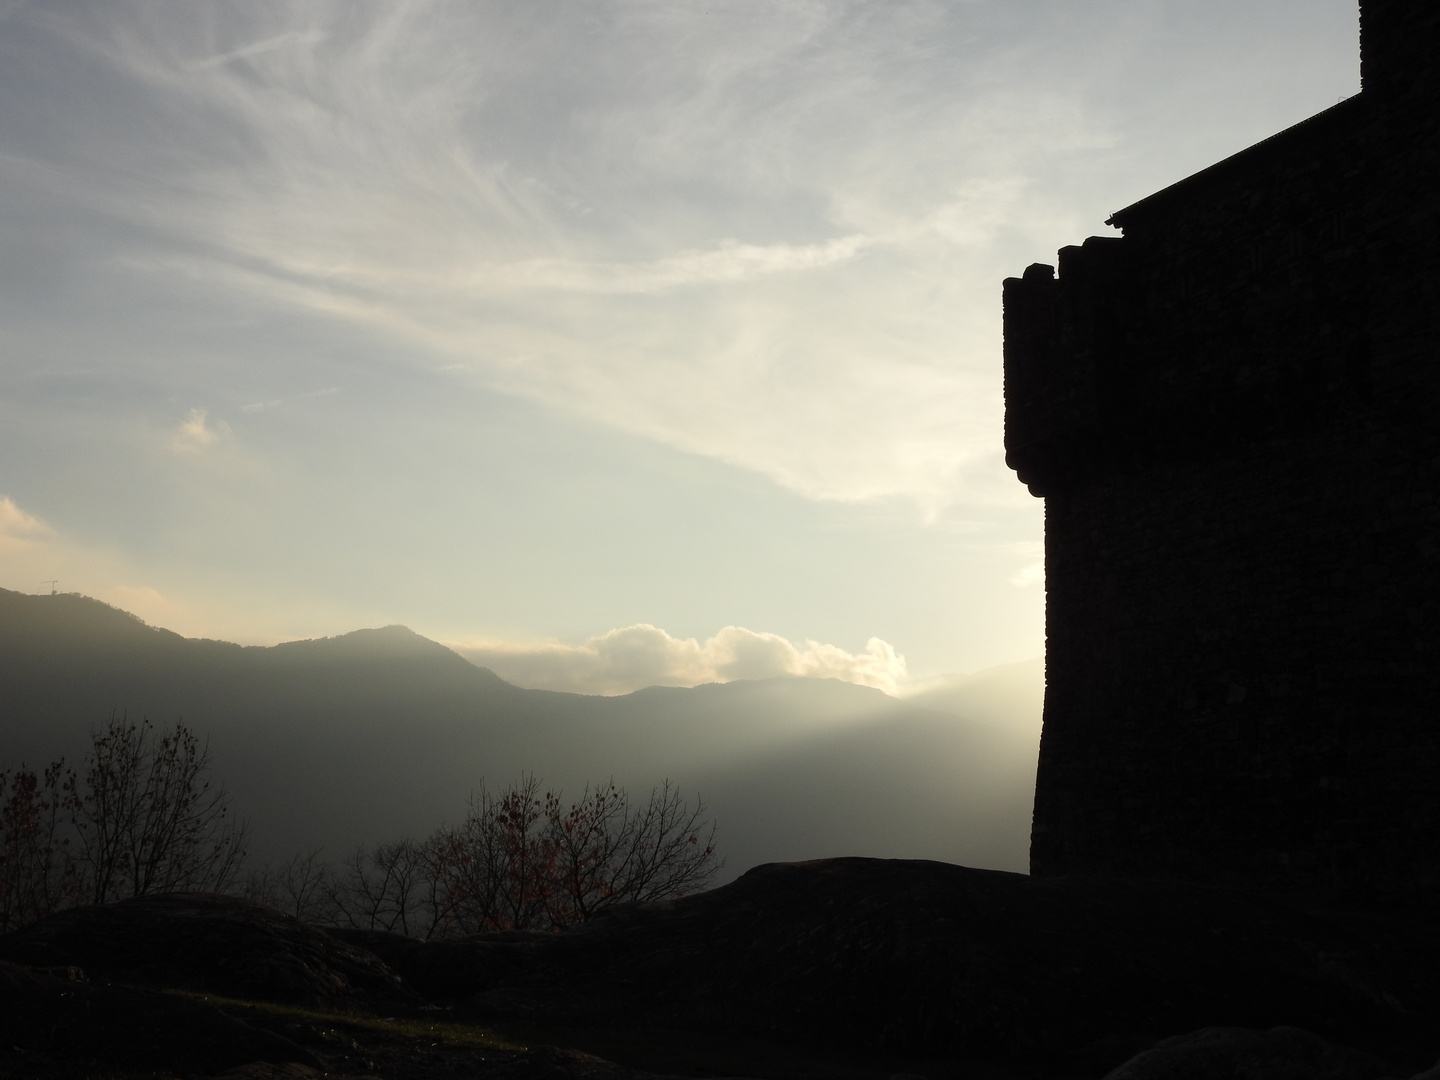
point(1233, 414)
point(1399, 48)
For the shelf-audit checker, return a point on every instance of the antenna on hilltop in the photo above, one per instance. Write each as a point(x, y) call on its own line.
point(52, 583)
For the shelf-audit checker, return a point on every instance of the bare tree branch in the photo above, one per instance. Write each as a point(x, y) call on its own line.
point(148, 818)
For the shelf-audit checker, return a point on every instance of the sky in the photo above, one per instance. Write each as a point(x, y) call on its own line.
point(612, 342)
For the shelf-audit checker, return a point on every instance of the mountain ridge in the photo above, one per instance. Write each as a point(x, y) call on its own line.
point(379, 733)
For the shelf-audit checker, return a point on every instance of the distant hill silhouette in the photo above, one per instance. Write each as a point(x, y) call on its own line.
point(381, 733)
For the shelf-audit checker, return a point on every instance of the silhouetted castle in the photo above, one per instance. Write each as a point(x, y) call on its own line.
point(1233, 414)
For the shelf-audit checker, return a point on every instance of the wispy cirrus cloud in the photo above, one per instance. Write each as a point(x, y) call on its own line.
point(254, 407)
point(730, 261)
point(789, 300)
point(291, 38)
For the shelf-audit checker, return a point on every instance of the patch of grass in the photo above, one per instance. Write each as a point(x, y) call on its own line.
point(426, 1030)
point(426, 1045)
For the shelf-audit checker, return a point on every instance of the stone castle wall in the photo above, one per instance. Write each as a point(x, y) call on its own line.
point(1233, 414)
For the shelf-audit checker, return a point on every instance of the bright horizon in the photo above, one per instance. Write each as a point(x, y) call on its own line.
point(601, 341)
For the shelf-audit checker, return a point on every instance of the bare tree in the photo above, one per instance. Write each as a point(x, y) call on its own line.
point(303, 886)
point(520, 859)
point(491, 871)
point(388, 887)
point(523, 861)
point(149, 818)
point(143, 816)
point(37, 873)
point(668, 848)
point(586, 846)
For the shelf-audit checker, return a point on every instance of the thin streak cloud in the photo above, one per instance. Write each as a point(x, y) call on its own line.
point(731, 261)
point(304, 39)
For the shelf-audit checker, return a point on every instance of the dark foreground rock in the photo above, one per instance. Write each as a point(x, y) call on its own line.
point(59, 1023)
point(1278, 1054)
point(221, 945)
point(939, 970)
point(939, 959)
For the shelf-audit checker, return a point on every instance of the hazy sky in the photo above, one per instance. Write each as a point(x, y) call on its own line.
point(523, 324)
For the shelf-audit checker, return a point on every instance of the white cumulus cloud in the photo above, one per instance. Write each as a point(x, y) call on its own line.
point(626, 659)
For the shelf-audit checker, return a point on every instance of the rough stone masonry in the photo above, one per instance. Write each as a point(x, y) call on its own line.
point(1232, 412)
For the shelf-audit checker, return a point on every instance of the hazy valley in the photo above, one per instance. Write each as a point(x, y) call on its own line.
point(382, 733)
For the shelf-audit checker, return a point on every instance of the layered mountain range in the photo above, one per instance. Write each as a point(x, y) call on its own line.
point(382, 733)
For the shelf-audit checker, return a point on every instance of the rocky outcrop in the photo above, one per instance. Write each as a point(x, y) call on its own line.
point(58, 1023)
point(914, 961)
point(939, 959)
point(1281, 1053)
point(221, 945)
